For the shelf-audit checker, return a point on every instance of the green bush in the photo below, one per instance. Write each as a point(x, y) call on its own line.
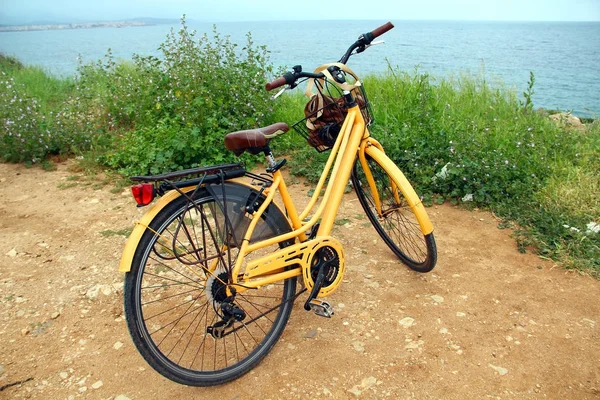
point(24, 137)
point(459, 138)
point(166, 147)
point(148, 115)
point(482, 138)
point(173, 111)
point(29, 99)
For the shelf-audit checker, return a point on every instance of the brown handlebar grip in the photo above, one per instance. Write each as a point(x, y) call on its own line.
point(275, 84)
point(382, 29)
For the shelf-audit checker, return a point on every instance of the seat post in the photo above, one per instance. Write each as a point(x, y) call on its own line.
point(274, 165)
point(270, 158)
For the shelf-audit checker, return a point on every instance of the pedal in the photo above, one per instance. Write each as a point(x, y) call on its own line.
point(321, 308)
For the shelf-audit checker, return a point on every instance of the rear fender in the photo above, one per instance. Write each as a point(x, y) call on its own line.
point(142, 224)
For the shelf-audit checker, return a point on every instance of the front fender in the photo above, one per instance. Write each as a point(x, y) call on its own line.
point(405, 187)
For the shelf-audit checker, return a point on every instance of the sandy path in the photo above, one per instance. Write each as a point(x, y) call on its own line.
point(488, 322)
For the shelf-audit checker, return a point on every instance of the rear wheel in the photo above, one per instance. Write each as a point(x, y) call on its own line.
point(396, 223)
point(177, 307)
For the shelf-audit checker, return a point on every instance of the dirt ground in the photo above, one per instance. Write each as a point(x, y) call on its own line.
point(488, 322)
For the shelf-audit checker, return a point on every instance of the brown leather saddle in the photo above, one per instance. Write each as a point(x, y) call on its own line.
point(254, 141)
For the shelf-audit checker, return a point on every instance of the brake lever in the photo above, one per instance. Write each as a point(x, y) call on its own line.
point(276, 95)
point(376, 43)
point(363, 48)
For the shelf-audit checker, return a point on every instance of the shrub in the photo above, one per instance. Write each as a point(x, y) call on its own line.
point(459, 138)
point(151, 114)
point(173, 112)
point(31, 114)
point(24, 135)
point(166, 147)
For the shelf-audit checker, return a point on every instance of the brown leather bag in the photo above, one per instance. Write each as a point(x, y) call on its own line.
point(324, 118)
point(325, 114)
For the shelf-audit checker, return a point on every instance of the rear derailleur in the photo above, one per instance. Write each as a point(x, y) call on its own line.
point(230, 314)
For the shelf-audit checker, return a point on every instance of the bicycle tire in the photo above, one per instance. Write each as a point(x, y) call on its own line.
point(398, 225)
point(158, 279)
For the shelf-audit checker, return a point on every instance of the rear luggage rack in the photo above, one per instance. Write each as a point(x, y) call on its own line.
point(186, 174)
point(192, 177)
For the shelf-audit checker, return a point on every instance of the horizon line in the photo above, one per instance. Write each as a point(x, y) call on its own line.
point(191, 19)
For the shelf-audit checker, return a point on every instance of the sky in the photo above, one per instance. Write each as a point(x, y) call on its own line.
point(26, 11)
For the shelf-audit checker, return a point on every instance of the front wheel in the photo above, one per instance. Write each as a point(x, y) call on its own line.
point(177, 307)
point(395, 221)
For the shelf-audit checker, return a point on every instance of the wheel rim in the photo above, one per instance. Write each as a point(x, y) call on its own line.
point(177, 300)
point(397, 223)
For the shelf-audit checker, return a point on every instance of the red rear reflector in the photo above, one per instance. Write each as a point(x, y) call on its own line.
point(143, 193)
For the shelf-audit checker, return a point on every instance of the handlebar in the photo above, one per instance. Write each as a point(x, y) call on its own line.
point(275, 84)
point(360, 45)
point(382, 29)
point(290, 78)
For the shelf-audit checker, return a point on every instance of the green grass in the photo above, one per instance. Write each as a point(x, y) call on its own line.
point(119, 232)
point(49, 90)
point(66, 185)
point(544, 180)
point(513, 160)
point(341, 221)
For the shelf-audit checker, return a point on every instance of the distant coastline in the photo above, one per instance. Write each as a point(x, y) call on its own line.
point(87, 25)
point(503, 53)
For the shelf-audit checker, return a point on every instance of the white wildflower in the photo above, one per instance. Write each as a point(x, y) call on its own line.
point(467, 197)
point(571, 228)
point(593, 227)
point(443, 174)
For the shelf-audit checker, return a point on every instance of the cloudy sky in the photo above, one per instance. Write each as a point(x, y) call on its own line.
point(251, 10)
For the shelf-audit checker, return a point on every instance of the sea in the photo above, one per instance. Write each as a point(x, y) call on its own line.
point(563, 56)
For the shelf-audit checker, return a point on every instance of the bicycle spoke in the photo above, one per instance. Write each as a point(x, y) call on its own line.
point(164, 285)
point(245, 326)
point(167, 298)
point(180, 285)
point(407, 235)
point(253, 305)
point(202, 344)
point(237, 353)
point(182, 335)
point(193, 335)
point(170, 268)
point(225, 350)
point(176, 321)
point(170, 249)
point(396, 224)
point(166, 311)
point(256, 318)
point(189, 237)
point(197, 241)
point(174, 280)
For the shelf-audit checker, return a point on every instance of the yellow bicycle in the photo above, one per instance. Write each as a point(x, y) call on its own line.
point(212, 268)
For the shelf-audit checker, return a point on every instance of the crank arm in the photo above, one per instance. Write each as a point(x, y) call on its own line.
point(316, 287)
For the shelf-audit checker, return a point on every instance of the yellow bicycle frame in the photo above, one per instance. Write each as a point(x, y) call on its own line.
point(354, 139)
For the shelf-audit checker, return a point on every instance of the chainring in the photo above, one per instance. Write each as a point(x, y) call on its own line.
point(328, 251)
